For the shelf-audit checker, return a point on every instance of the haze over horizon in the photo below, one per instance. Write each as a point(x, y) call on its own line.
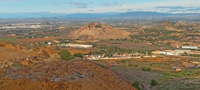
point(101, 6)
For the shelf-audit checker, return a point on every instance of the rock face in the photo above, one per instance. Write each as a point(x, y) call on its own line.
point(97, 31)
point(62, 75)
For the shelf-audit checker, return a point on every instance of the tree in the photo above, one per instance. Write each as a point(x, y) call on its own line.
point(149, 52)
point(143, 69)
point(154, 82)
point(65, 55)
point(136, 85)
point(168, 44)
point(90, 53)
point(111, 50)
point(78, 55)
point(148, 69)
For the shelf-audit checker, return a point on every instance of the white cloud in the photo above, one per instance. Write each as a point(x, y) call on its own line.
point(139, 7)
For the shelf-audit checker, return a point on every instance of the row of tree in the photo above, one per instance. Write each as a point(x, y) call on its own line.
point(136, 84)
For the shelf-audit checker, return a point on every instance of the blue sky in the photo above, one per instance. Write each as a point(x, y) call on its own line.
point(99, 6)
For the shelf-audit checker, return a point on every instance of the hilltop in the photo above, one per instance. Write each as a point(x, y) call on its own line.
point(97, 31)
point(62, 75)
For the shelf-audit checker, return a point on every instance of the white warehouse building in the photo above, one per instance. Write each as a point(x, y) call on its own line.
point(76, 45)
point(190, 47)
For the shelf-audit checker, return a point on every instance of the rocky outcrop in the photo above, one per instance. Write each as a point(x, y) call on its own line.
point(46, 52)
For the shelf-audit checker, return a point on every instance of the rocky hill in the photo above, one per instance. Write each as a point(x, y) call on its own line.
point(97, 31)
point(43, 70)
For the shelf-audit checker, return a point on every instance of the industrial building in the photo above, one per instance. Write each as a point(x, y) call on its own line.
point(76, 45)
point(171, 52)
point(190, 47)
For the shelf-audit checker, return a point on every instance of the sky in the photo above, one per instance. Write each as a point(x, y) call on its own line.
point(99, 6)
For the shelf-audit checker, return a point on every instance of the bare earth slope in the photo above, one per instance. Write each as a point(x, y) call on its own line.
point(97, 31)
point(61, 75)
point(8, 51)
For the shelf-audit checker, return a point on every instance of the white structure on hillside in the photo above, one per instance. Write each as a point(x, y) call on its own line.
point(190, 47)
point(76, 45)
point(171, 52)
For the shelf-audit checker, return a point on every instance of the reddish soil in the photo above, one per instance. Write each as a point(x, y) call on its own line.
point(152, 59)
point(8, 51)
point(62, 75)
point(37, 39)
point(159, 69)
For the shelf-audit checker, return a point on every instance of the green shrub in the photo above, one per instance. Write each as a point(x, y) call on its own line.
point(90, 53)
point(136, 85)
point(154, 82)
point(148, 69)
point(123, 61)
point(102, 66)
point(143, 69)
point(65, 55)
point(15, 64)
point(78, 55)
point(133, 65)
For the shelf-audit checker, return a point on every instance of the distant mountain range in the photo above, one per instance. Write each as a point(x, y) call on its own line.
point(90, 15)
